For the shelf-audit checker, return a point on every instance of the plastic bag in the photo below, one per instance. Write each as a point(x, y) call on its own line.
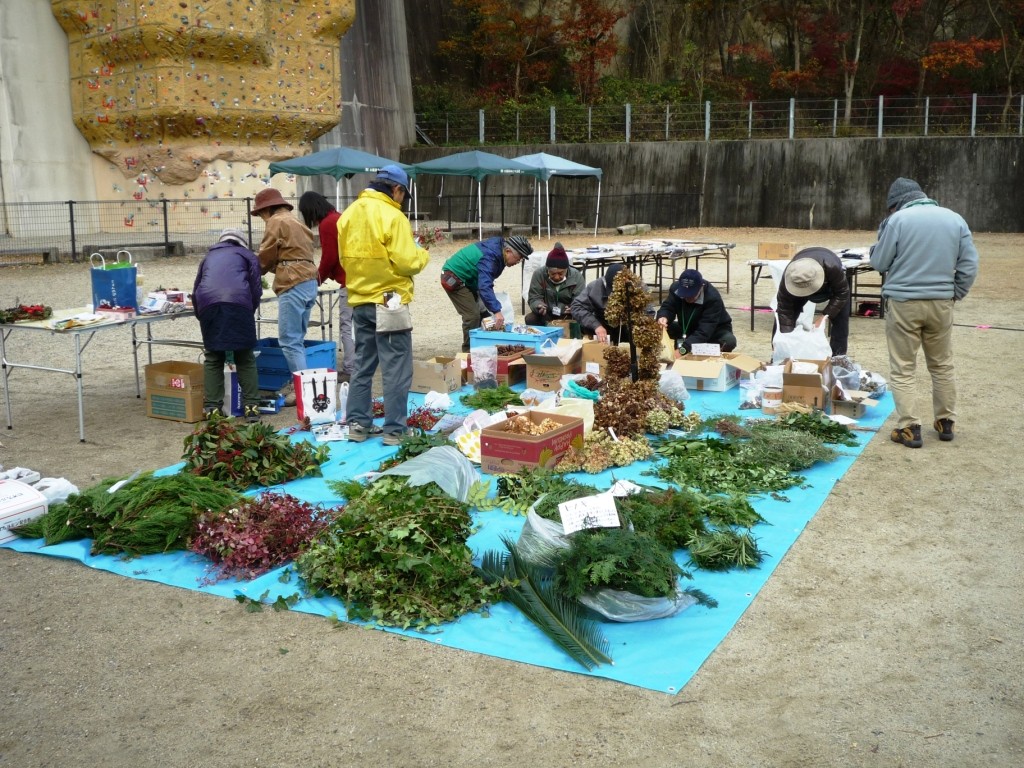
point(800, 343)
point(533, 397)
point(564, 352)
point(571, 406)
point(616, 605)
point(484, 362)
point(849, 378)
point(671, 385)
point(341, 411)
point(873, 382)
point(540, 538)
point(771, 377)
point(507, 308)
point(55, 489)
point(750, 393)
point(443, 465)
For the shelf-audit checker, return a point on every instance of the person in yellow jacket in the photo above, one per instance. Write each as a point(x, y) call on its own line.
point(380, 258)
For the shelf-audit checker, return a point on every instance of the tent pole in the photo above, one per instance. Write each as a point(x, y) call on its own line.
point(479, 208)
point(547, 196)
point(597, 213)
point(415, 207)
point(337, 194)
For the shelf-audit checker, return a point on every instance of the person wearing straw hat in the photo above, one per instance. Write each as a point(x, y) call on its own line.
point(816, 275)
point(287, 251)
point(225, 296)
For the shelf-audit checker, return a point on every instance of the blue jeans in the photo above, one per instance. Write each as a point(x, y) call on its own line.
point(393, 352)
point(293, 308)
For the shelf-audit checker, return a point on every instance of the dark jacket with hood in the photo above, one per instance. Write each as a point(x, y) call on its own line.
point(835, 290)
point(700, 321)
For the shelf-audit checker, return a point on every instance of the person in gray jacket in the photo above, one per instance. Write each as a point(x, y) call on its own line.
point(553, 288)
point(589, 307)
point(927, 256)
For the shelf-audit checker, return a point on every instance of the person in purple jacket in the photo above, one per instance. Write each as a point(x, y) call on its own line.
point(225, 296)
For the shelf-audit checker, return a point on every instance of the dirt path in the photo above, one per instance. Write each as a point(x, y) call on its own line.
point(890, 635)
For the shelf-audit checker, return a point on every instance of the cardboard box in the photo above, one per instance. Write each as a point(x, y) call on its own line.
point(19, 504)
point(438, 374)
point(851, 402)
point(715, 374)
point(174, 404)
point(592, 359)
point(504, 452)
point(544, 372)
point(810, 389)
point(175, 375)
point(773, 251)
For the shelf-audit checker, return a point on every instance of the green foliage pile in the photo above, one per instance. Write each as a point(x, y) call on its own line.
point(396, 555)
point(145, 516)
point(817, 424)
point(618, 559)
point(492, 399)
point(244, 455)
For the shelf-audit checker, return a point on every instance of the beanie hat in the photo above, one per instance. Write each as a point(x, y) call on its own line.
point(269, 198)
point(234, 235)
point(609, 275)
point(901, 192)
point(804, 276)
point(557, 258)
point(689, 284)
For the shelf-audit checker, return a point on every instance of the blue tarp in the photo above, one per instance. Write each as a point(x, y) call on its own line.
point(661, 655)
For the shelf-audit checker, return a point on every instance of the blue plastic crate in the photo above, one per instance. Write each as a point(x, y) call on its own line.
point(481, 338)
point(273, 369)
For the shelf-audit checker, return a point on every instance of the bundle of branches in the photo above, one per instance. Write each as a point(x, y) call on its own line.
point(627, 407)
point(759, 464)
point(816, 423)
point(25, 313)
point(414, 444)
point(397, 555)
point(599, 452)
point(627, 305)
point(243, 455)
point(248, 539)
point(144, 515)
point(492, 399)
point(516, 493)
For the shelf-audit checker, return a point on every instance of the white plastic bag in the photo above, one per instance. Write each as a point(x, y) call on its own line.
point(507, 307)
point(442, 464)
point(484, 362)
point(616, 605)
point(571, 406)
point(341, 411)
point(671, 385)
point(804, 344)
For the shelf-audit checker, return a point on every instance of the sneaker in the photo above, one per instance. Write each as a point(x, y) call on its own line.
point(252, 413)
point(908, 436)
point(396, 438)
point(213, 411)
point(945, 429)
point(357, 433)
point(288, 393)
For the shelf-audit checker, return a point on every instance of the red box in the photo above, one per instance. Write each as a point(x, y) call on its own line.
point(504, 452)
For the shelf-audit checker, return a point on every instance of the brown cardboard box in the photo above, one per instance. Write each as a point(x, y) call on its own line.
point(174, 404)
point(592, 359)
point(502, 452)
point(545, 372)
point(854, 404)
point(438, 374)
point(773, 251)
point(715, 374)
point(175, 374)
point(811, 389)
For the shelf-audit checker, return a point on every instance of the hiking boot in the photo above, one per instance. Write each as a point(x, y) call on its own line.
point(357, 433)
point(213, 411)
point(252, 414)
point(945, 429)
point(908, 436)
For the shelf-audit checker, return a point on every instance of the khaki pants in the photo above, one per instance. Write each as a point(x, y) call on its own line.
point(926, 324)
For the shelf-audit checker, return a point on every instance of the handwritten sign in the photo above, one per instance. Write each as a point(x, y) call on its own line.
point(589, 512)
point(709, 350)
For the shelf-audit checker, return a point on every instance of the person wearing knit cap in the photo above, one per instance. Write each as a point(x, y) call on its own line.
point(694, 313)
point(589, 307)
point(287, 251)
point(225, 296)
point(552, 289)
point(468, 278)
point(816, 275)
point(928, 262)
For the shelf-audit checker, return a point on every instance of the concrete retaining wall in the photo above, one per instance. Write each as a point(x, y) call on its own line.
point(809, 183)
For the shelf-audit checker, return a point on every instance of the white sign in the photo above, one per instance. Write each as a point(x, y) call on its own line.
point(589, 512)
point(708, 350)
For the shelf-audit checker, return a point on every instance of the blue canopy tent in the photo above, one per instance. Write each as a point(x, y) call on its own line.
point(338, 162)
point(477, 165)
point(551, 165)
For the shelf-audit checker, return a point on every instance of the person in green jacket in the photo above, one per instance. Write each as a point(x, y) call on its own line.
point(553, 288)
point(469, 274)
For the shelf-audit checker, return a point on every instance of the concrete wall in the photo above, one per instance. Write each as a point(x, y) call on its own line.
point(810, 183)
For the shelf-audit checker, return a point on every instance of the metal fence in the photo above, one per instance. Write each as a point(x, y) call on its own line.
point(73, 230)
point(794, 118)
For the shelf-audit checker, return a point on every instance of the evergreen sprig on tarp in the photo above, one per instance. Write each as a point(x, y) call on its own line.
point(144, 516)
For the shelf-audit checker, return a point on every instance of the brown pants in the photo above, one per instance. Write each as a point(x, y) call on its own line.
point(910, 326)
point(470, 310)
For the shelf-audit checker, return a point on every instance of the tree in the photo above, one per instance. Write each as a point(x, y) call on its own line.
point(586, 32)
point(1008, 17)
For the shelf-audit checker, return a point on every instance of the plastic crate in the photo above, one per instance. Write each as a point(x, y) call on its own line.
point(272, 368)
point(482, 338)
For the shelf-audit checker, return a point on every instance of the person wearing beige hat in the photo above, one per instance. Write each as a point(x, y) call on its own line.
point(816, 275)
point(287, 251)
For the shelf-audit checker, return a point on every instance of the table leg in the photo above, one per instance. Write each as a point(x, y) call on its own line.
point(753, 283)
point(7, 375)
point(78, 384)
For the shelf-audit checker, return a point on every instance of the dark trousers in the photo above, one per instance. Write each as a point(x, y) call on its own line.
point(839, 327)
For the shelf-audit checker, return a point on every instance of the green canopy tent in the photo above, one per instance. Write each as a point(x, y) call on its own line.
point(337, 162)
point(552, 165)
point(477, 165)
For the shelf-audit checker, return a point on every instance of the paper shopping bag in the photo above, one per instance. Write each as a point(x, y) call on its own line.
point(113, 283)
point(316, 394)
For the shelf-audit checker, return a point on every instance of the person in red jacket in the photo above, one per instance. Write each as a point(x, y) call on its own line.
point(317, 212)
